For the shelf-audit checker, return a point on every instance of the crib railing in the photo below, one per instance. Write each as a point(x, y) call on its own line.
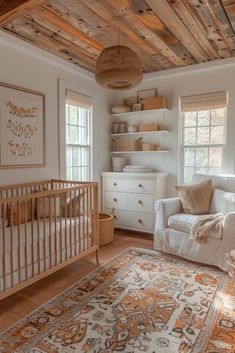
point(44, 227)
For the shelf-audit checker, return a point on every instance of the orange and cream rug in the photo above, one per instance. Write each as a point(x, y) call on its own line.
point(140, 301)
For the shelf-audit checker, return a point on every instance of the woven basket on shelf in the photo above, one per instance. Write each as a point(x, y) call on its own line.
point(106, 227)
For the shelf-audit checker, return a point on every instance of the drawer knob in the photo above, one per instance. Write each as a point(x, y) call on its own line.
point(114, 184)
point(115, 200)
point(140, 221)
point(140, 185)
point(140, 202)
point(115, 217)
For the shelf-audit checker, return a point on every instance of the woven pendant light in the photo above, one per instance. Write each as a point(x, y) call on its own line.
point(119, 68)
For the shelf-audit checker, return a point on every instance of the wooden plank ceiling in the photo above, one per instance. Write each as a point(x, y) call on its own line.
point(164, 33)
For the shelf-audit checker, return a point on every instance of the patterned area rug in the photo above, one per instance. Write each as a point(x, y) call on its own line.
point(140, 301)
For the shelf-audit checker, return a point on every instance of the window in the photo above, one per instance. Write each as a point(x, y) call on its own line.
point(78, 136)
point(203, 136)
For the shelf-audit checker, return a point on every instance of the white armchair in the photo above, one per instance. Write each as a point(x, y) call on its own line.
point(173, 226)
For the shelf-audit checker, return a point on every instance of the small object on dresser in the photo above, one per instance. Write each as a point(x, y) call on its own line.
point(127, 145)
point(118, 164)
point(137, 169)
point(150, 147)
point(120, 109)
point(154, 103)
point(132, 128)
point(149, 127)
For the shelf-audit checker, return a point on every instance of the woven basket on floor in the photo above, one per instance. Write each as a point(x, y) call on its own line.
point(106, 228)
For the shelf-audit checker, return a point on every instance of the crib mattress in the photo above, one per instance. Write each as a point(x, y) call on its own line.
point(71, 238)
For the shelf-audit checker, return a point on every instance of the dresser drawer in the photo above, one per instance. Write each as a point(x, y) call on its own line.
point(135, 220)
point(140, 202)
point(130, 185)
point(114, 199)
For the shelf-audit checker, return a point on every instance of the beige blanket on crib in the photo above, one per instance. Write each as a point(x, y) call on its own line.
point(206, 226)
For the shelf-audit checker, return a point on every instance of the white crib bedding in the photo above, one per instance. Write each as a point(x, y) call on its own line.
point(77, 242)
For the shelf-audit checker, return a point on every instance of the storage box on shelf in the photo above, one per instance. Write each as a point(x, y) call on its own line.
point(154, 103)
point(127, 145)
point(151, 147)
point(133, 196)
point(148, 127)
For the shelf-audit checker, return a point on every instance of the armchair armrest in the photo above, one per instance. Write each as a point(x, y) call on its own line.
point(228, 229)
point(164, 209)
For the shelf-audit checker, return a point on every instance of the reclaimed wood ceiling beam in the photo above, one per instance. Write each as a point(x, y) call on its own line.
point(9, 10)
point(170, 18)
point(85, 19)
point(63, 25)
point(229, 7)
point(182, 9)
point(123, 10)
point(222, 21)
point(202, 13)
point(42, 38)
point(110, 16)
point(143, 49)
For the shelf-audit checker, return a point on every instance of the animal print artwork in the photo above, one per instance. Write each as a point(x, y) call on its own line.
point(142, 301)
point(22, 112)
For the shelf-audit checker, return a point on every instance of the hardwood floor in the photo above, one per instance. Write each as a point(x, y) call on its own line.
point(20, 304)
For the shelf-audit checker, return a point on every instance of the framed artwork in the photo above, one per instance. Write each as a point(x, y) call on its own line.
point(147, 93)
point(22, 127)
point(136, 107)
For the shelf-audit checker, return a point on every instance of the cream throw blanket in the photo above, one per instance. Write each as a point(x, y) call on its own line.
point(207, 225)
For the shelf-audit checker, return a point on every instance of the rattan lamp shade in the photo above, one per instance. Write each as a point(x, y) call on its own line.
point(118, 67)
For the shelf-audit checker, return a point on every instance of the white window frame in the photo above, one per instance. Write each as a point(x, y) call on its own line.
point(195, 146)
point(63, 87)
point(85, 146)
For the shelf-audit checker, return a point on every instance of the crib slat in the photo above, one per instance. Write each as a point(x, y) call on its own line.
point(75, 221)
point(44, 233)
point(55, 233)
point(87, 218)
point(83, 220)
point(66, 208)
point(70, 219)
point(50, 248)
point(26, 238)
point(61, 243)
point(19, 247)
point(38, 237)
point(11, 245)
point(80, 221)
point(4, 246)
point(32, 234)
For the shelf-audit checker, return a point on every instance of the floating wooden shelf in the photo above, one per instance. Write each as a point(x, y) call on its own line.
point(140, 133)
point(138, 152)
point(139, 113)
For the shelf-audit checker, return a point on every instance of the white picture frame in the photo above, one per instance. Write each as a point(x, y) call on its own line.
point(22, 127)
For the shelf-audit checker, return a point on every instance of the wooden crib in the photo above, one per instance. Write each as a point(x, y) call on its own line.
point(45, 226)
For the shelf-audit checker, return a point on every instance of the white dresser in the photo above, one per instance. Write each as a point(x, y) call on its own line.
point(133, 195)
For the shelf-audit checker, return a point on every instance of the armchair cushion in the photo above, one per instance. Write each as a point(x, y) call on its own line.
point(182, 222)
point(222, 201)
point(196, 198)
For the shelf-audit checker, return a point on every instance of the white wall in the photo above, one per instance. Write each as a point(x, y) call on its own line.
point(26, 66)
point(202, 78)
